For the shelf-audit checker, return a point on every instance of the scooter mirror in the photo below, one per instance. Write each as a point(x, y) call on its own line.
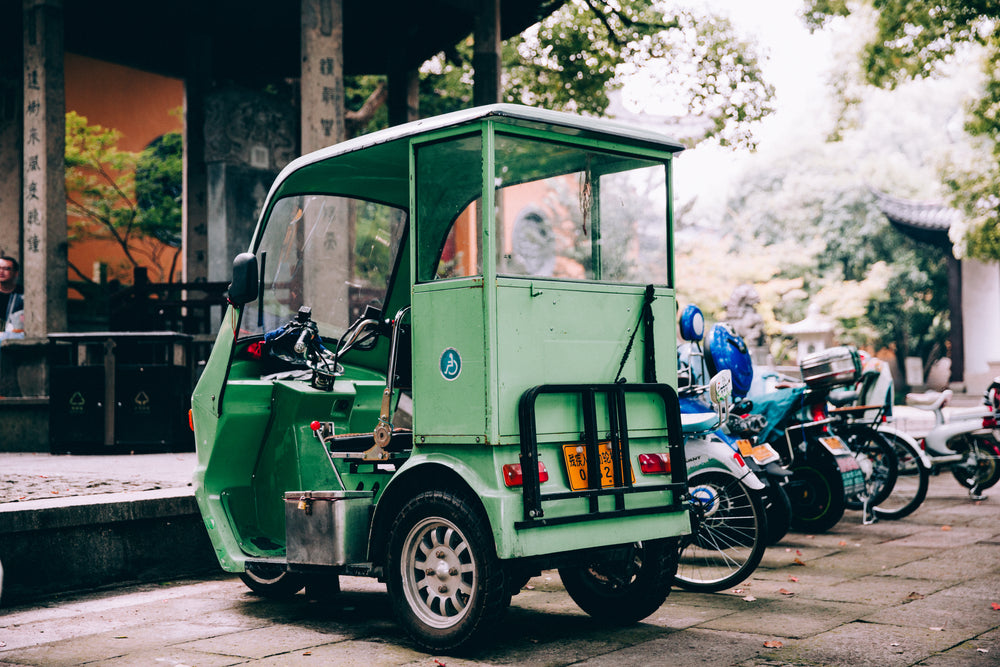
point(243, 289)
point(720, 391)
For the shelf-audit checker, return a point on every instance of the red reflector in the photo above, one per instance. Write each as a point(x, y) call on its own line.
point(739, 459)
point(654, 464)
point(512, 474)
point(190, 419)
point(989, 422)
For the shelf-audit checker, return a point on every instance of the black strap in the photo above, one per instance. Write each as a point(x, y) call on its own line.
point(649, 357)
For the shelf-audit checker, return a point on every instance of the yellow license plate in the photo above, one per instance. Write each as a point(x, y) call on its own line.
point(576, 466)
point(762, 453)
point(835, 445)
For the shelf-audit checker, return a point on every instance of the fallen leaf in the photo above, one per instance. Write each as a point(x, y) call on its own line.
point(983, 650)
point(120, 637)
point(792, 579)
point(798, 553)
point(937, 629)
point(798, 561)
point(945, 527)
point(308, 653)
point(785, 591)
point(842, 543)
point(749, 598)
point(914, 596)
point(739, 591)
point(895, 644)
point(773, 643)
point(438, 663)
point(995, 606)
point(529, 587)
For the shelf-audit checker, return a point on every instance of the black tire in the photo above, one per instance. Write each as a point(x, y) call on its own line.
point(876, 458)
point(778, 509)
point(628, 590)
point(447, 586)
point(272, 580)
point(729, 534)
point(816, 492)
point(981, 467)
point(912, 480)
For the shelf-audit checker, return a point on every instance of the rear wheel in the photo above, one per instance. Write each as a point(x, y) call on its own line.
point(446, 583)
point(981, 467)
point(816, 492)
point(728, 537)
point(626, 590)
point(912, 479)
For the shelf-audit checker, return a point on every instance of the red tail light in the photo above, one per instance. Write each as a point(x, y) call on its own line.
point(654, 464)
point(512, 474)
point(990, 422)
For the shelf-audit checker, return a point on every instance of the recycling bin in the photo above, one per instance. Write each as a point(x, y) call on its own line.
point(119, 392)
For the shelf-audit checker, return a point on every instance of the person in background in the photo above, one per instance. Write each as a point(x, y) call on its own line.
point(11, 301)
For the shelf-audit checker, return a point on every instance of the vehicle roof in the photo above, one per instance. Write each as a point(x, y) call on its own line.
point(382, 156)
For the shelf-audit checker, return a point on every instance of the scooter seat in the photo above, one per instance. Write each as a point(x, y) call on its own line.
point(929, 400)
point(698, 422)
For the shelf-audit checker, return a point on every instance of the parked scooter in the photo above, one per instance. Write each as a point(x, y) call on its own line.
point(726, 499)
point(967, 445)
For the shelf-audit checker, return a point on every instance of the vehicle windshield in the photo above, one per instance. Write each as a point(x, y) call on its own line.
point(333, 254)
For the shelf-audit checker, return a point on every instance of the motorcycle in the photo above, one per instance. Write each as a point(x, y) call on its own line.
point(968, 446)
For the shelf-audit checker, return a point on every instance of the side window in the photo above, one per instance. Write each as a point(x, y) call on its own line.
point(449, 189)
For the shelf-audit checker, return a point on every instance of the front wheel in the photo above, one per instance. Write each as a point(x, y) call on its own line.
point(816, 491)
point(272, 580)
point(628, 589)
point(877, 459)
point(445, 581)
point(912, 480)
point(729, 534)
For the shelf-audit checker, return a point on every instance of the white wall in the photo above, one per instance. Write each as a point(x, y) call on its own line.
point(981, 322)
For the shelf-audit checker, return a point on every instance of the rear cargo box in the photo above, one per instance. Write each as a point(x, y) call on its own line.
point(831, 367)
point(327, 527)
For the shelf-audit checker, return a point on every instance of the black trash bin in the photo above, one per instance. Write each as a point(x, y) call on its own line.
point(119, 392)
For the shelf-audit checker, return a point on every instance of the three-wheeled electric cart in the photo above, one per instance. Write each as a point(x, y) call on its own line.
point(439, 369)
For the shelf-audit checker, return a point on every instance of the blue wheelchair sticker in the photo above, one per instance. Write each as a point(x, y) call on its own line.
point(450, 364)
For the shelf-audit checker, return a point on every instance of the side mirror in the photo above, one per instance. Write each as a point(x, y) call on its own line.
point(243, 289)
point(720, 391)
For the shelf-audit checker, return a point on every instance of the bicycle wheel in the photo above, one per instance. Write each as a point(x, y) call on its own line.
point(912, 478)
point(877, 459)
point(728, 537)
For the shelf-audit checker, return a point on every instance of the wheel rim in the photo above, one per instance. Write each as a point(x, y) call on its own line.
point(438, 572)
point(726, 530)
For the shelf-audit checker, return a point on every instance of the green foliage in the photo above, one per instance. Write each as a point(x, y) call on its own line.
point(914, 39)
point(101, 195)
point(576, 57)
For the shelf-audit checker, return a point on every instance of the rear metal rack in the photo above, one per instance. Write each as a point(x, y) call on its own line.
point(534, 515)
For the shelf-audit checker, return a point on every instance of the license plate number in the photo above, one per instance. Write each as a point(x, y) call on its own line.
point(576, 466)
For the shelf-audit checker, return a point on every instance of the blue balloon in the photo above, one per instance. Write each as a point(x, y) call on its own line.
point(728, 350)
point(692, 324)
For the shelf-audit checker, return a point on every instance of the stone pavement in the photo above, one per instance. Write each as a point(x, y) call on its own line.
point(920, 591)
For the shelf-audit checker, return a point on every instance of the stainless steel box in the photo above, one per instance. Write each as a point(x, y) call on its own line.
point(833, 366)
point(327, 527)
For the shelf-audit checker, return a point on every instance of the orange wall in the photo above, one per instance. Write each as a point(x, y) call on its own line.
point(138, 104)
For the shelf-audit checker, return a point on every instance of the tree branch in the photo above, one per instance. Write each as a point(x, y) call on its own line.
point(355, 120)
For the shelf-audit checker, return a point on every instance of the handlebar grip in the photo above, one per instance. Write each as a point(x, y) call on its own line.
point(300, 344)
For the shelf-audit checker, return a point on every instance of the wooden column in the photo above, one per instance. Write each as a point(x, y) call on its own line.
point(404, 96)
point(44, 199)
point(11, 123)
point(486, 55)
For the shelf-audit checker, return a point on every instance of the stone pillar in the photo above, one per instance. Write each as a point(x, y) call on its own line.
point(322, 83)
point(44, 203)
point(194, 221)
point(11, 122)
point(322, 99)
point(486, 55)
